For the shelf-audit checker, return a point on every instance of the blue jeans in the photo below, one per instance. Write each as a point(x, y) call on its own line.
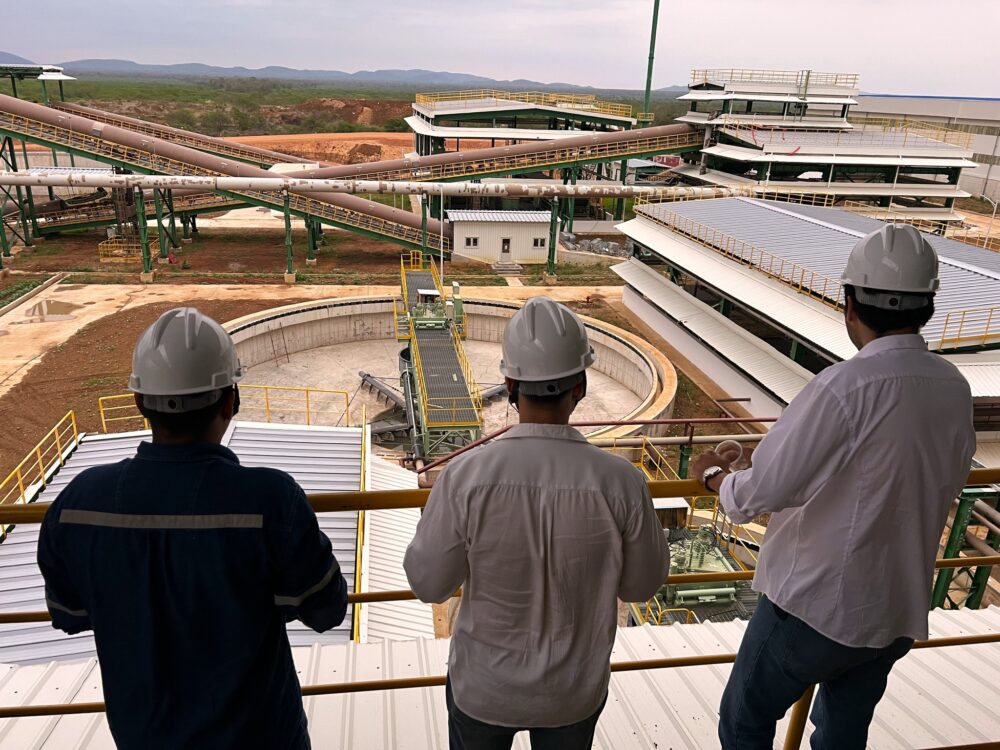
point(780, 656)
point(466, 733)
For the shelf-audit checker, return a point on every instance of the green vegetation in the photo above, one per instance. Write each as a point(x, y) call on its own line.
point(14, 290)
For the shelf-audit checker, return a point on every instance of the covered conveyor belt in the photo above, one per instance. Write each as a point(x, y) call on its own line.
point(525, 157)
point(249, 154)
point(101, 214)
point(448, 398)
point(110, 144)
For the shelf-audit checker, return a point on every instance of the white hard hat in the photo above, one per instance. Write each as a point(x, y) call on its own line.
point(898, 263)
point(545, 347)
point(183, 361)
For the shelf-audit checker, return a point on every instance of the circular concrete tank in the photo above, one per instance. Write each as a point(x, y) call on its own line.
point(325, 344)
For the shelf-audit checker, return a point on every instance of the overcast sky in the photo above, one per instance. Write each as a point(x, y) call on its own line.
point(944, 47)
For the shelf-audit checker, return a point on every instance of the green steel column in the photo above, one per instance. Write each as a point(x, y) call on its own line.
point(571, 209)
point(161, 233)
point(550, 266)
point(289, 268)
point(652, 48)
point(172, 223)
point(980, 580)
point(423, 224)
point(725, 307)
point(4, 242)
point(25, 203)
point(683, 461)
point(185, 228)
point(310, 240)
point(140, 217)
point(796, 352)
point(956, 539)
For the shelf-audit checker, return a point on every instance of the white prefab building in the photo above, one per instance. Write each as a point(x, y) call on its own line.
point(502, 236)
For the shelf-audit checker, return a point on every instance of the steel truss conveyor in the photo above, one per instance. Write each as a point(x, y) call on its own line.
point(444, 406)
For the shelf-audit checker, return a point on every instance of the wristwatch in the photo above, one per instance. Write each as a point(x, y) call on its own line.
point(710, 473)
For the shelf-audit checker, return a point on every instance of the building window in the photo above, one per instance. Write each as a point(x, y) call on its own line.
point(472, 242)
point(539, 242)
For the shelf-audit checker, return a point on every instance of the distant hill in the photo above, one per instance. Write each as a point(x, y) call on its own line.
point(415, 77)
point(6, 58)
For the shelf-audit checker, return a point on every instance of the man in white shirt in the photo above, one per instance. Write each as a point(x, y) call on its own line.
point(858, 474)
point(544, 532)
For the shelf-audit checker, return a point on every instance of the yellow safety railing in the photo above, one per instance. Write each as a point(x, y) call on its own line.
point(356, 501)
point(317, 406)
point(32, 474)
point(653, 613)
point(477, 97)
point(973, 327)
point(811, 283)
point(880, 133)
point(362, 527)
point(701, 76)
point(120, 408)
point(897, 214)
point(119, 250)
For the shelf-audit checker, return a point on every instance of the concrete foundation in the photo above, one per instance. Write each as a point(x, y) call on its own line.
point(147, 278)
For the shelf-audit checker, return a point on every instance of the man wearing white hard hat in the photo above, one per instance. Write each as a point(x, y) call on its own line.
point(544, 533)
point(187, 566)
point(858, 475)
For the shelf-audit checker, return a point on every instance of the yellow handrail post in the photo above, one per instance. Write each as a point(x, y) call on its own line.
point(308, 418)
point(41, 464)
point(798, 719)
point(267, 403)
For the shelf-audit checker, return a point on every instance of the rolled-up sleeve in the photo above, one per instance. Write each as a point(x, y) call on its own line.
point(308, 583)
point(437, 560)
point(645, 558)
point(805, 448)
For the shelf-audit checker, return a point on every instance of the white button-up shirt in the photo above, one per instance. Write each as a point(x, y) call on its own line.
point(859, 473)
point(544, 532)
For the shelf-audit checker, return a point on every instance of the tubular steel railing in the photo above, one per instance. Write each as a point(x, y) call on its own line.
point(879, 133)
point(272, 401)
point(33, 472)
point(701, 76)
point(475, 97)
point(984, 323)
point(360, 501)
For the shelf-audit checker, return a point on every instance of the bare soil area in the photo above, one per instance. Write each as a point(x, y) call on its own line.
point(335, 148)
point(93, 363)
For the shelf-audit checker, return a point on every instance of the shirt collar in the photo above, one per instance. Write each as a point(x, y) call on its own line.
point(890, 343)
point(185, 453)
point(551, 431)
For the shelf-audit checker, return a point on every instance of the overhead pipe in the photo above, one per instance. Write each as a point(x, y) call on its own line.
point(199, 159)
point(40, 178)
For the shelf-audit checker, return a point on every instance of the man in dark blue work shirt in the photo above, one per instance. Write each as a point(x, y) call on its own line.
point(187, 565)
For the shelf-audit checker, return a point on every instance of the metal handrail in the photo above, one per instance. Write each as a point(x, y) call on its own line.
point(886, 133)
point(754, 75)
point(34, 469)
point(955, 324)
point(586, 102)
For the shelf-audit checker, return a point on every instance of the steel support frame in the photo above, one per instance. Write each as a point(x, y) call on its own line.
point(286, 199)
point(140, 218)
point(956, 540)
point(8, 158)
point(550, 265)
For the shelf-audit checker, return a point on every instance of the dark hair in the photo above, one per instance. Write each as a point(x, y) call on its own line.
point(192, 424)
point(549, 400)
point(881, 321)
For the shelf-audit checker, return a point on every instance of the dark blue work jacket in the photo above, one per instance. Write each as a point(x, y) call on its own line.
point(186, 566)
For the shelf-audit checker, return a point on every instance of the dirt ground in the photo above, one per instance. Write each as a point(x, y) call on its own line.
point(335, 148)
point(93, 363)
point(252, 256)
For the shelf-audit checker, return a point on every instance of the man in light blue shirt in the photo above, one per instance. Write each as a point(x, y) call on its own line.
point(858, 476)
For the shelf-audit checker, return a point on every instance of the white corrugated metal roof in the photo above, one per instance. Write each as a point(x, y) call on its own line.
point(321, 459)
point(822, 241)
point(988, 450)
point(718, 95)
point(534, 217)
point(665, 708)
point(984, 379)
point(761, 362)
point(808, 318)
point(387, 535)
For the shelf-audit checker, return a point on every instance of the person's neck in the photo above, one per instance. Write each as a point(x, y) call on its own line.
point(868, 335)
point(162, 438)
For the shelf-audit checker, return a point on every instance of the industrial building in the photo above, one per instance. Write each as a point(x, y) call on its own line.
point(790, 132)
point(977, 116)
point(505, 237)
